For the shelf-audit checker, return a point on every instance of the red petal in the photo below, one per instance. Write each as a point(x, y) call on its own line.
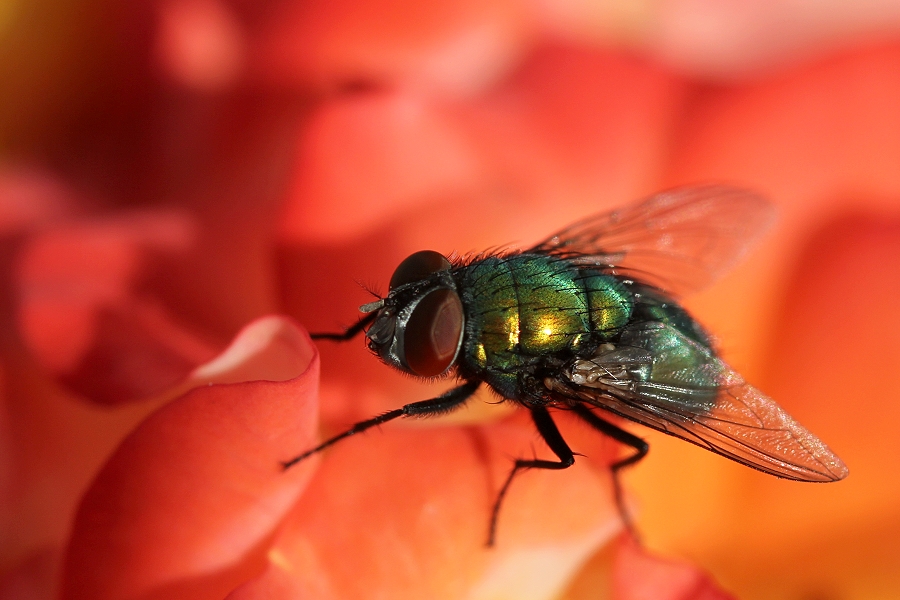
point(570, 144)
point(200, 43)
point(82, 315)
point(29, 197)
point(35, 578)
point(189, 497)
point(552, 130)
point(637, 575)
point(380, 154)
point(450, 45)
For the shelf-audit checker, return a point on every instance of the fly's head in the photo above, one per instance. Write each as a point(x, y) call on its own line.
point(419, 326)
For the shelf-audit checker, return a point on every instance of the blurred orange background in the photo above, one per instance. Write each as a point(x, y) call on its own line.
point(172, 170)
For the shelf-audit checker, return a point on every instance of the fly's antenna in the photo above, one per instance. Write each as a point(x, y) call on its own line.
point(348, 333)
point(352, 331)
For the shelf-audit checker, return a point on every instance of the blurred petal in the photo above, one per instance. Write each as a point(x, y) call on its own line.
point(379, 153)
point(183, 506)
point(835, 322)
point(404, 514)
point(731, 38)
point(454, 47)
point(806, 135)
point(637, 575)
point(29, 197)
point(832, 362)
point(566, 142)
point(83, 314)
point(34, 579)
point(200, 43)
point(593, 21)
point(553, 130)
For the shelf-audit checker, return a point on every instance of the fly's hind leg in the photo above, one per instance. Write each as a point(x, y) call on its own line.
point(444, 403)
point(551, 435)
point(623, 437)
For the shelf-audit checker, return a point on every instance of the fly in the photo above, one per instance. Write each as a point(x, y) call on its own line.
point(589, 319)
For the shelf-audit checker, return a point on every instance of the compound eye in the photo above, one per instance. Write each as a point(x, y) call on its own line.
point(418, 266)
point(432, 334)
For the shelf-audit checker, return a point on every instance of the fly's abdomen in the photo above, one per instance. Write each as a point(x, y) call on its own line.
point(523, 307)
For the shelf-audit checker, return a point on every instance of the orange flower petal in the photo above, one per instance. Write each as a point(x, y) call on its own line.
point(404, 513)
point(832, 363)
point(808, 135)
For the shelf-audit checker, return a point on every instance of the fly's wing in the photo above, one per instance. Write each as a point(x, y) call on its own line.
point(646, 379)
point(680, 240)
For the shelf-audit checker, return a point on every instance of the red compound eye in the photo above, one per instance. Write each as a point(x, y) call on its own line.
point(432, 334)
point(418, 266)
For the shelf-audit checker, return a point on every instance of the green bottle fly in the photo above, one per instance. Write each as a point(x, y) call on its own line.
point(588, 320)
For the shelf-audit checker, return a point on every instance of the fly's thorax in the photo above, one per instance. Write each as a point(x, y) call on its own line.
point(419, 325)
point(523, 308)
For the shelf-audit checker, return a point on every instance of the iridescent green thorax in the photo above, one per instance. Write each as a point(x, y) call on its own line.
point(522, 308)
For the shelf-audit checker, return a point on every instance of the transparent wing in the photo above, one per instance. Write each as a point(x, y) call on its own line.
point(680, 240)
point(746, 426)
point(710, 405)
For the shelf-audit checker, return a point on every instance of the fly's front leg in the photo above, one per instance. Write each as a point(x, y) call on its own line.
point(551, 435)
point(444, 403)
